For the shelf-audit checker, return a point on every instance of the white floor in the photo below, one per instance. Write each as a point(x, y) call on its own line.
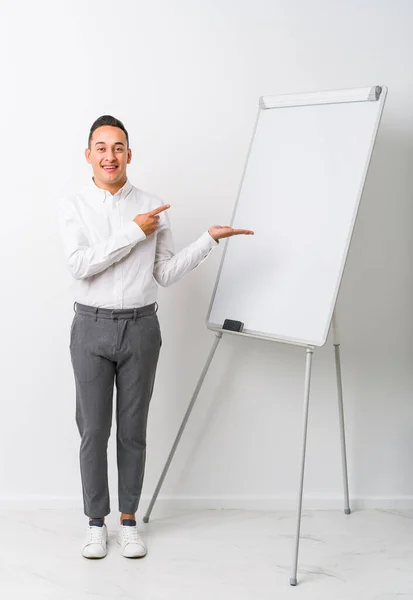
point(212, 555)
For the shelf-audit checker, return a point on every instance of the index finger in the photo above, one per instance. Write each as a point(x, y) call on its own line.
point(160, 209)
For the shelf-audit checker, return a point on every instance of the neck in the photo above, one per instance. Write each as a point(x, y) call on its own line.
point(113, 189)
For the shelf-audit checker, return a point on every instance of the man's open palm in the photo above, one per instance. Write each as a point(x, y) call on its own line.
point(218, 232)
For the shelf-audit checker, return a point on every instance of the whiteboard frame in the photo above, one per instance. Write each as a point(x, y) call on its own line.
point(367, 94)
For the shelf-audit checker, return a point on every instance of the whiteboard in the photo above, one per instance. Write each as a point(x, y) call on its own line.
point(300, 193)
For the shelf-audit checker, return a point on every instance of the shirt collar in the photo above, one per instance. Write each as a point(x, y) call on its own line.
point(104, 195)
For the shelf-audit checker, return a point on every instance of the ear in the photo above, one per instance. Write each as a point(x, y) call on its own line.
point(87, 154)
point(129, 155)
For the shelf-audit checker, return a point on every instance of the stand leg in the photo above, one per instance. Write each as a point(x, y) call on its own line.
point(336, 343)
point(342, 429)
point(182, 427)
point(310, 351)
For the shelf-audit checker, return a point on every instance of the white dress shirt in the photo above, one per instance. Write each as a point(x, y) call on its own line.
point(115, 265)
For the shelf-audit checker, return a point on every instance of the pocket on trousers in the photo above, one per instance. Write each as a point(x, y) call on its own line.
point(159, 330)
point(72, 330)
point(147, 333)
point(87, 366)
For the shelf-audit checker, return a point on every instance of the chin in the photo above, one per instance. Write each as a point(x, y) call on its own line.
point(111, 178)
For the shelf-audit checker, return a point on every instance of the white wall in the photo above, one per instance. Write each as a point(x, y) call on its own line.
point(185, 78)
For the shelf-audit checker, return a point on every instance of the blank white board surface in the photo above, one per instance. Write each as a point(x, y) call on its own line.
point(300, 193)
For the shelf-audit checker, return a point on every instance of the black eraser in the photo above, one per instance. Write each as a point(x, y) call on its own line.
point(232, 325)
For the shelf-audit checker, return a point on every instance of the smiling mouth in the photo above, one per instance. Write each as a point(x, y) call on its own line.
point(110, 168)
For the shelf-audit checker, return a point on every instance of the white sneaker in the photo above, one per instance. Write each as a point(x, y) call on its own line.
point(95, 542)
point(131, 543)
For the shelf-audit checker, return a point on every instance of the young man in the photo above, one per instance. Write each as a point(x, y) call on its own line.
point(118, 246)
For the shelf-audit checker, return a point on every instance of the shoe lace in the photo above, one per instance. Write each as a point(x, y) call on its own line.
point(131, 534)
point(95, 534)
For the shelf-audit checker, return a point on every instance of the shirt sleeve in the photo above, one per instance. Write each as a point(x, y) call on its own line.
point(170, 267)
point(85, 260)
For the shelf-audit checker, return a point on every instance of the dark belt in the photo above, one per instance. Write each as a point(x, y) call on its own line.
point(115, 313)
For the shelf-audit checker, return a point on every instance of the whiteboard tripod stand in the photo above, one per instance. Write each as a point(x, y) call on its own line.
point(307, 384)
point(300, 192)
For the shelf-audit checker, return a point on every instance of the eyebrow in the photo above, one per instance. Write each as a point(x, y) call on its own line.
point(115, 144)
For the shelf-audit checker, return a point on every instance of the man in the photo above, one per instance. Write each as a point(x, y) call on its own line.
point(118, 245)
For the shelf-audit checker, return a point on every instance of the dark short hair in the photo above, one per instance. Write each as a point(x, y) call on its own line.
point(107, 120)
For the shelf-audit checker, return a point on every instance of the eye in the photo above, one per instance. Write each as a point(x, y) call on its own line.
point(119, 149)
point(100, 149)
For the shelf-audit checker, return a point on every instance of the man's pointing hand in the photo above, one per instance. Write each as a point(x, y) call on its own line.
point(149, 222)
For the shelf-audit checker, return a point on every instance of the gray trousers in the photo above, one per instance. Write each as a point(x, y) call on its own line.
point(108, 346)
